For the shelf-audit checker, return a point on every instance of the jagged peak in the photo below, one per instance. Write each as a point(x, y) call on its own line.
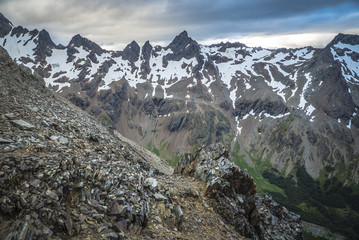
point(146, 51)
point(3, 19)
point(181, 41)
point(44, 38)
point(20, 30)
point(132, 52)
point(147, 43)
point(133, 44)
point(5, 26)
point(184, 34)
point(345, 38)
point(79, 40)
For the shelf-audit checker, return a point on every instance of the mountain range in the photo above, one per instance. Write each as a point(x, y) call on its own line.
point(61, 178)
point(290, 115)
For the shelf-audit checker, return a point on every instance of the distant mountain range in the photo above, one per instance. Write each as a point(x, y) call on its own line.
point(280, 111)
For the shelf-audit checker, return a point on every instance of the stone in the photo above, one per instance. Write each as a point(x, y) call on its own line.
point(60, 139)
point(10, 116)
point(159, 197)
point(116, 209)
point(35, 183)
point(121, 226)
point(151, 183)
point(52, 195)
point(22, 124)
point(44, 123)
point(178, 211)
point(19, 230)
point(158, 219)
point(5, 141)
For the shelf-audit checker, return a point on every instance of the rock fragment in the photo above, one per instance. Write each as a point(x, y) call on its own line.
point(22, 124)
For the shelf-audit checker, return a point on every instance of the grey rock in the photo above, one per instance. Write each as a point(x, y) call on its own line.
point(178, 211)
point(5, 141)
point(121, 226)
point(151, 183)
point(35, 183)
point(116, 209)
point(10, 116)
point(52, 195)
point(19, 230)
point(44, 123)
point(60, 139)
point(159, 197)
point(22, 124)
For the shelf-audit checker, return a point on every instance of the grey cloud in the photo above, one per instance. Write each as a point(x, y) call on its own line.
point(160, 20)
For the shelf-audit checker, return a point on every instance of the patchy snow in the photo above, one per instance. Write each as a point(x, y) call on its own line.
point(349, 124)
point(21, 46)
point(239, 130)
point(349, 67)
point(248, 114)
point(236, 65)
point(277, 86)
point(309, 110)
point(278, 116)
point(303, 102)
point(233, 97)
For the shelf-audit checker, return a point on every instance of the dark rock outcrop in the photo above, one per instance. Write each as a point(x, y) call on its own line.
point(5, 26)
point(243, 107)
point(131, 52)
point(233, 194)
point(78, 41)
point(44, 45)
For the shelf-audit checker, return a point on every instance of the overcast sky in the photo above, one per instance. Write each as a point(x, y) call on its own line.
point(115, 23)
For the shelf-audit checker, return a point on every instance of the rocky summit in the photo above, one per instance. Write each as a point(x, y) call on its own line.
point(65, 175)
point(232, 193)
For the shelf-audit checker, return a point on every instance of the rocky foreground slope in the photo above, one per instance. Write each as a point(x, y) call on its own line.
point(63, 175)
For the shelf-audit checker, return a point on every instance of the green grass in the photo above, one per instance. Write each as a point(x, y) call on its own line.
point(334, 208)
point(323, 201)
point(162, 152)
point(262, 184)
point(105, 119)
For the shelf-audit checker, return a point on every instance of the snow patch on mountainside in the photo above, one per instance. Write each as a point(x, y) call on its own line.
point(303, 102)
point(277, 86)
point(22, 46)
point(349, 63)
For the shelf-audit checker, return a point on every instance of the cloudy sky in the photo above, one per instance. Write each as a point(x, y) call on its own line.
point(115, 23)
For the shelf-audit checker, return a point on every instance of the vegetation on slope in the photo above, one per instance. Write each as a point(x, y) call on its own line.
point(326, 202)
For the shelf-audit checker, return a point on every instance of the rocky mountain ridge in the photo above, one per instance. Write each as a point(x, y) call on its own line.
point(64, 178)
